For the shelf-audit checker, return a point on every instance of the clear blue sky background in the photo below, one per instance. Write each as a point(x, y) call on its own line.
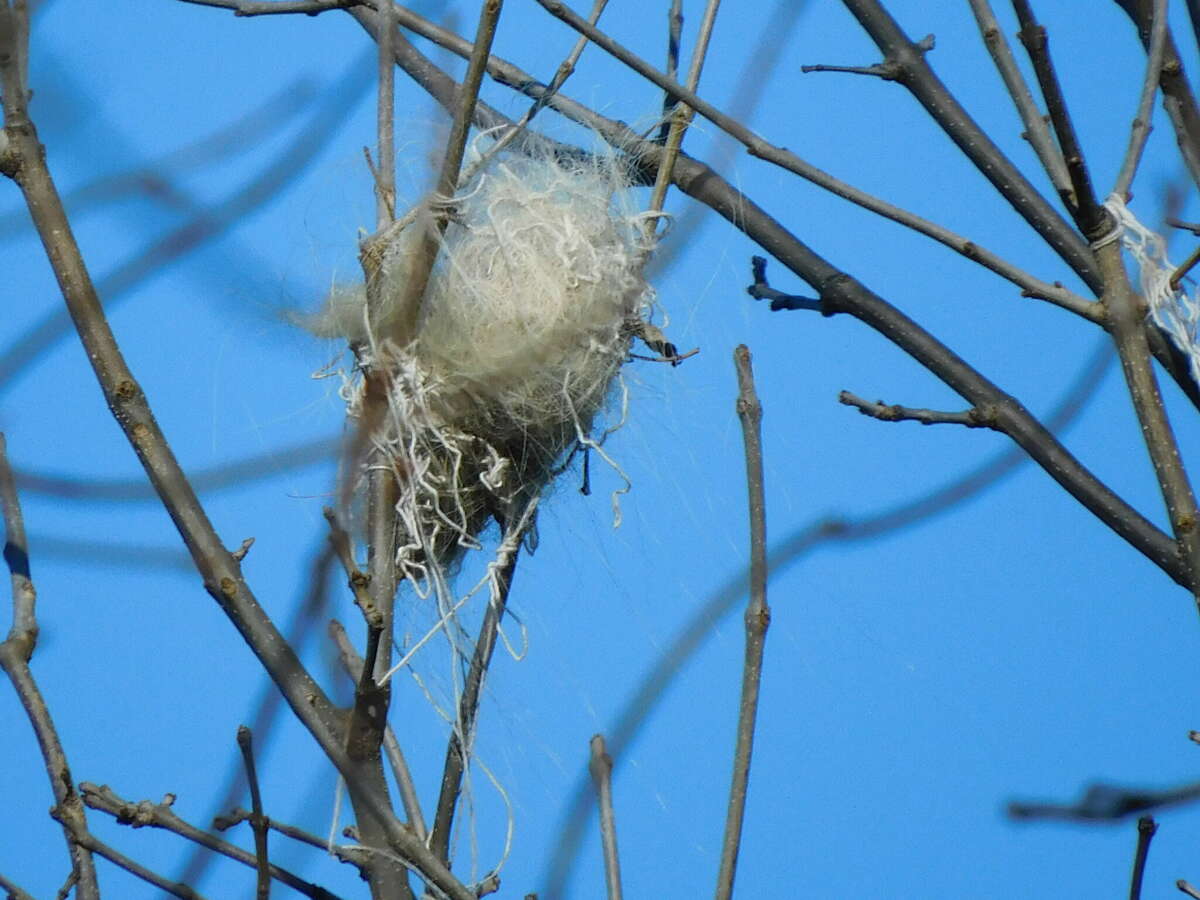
point(1011, 648)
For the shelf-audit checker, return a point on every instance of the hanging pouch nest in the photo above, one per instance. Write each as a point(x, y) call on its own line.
point(522, 331)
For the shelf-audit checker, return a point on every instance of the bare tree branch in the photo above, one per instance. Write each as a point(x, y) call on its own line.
point(1140, 130)
point(1036, 131)
point(757, 620)
point(258, 821)
point(161, 815)
point(791, 162)
point(1178, 99)
point(17, 649)
point(600, 766)
point(1146, 828)
point(970, 418)
point(25, 163)
point(279, 7)
point(353, 664)
point(462, 733)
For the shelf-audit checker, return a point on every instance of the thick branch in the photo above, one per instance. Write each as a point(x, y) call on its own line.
point(1126, 312)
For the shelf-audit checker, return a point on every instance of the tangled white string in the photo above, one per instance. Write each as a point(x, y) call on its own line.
point(1174, 310)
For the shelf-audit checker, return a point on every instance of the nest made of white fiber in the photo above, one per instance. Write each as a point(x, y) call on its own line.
point(522, 331)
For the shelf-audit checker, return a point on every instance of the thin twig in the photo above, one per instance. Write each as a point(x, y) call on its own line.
point(1088, 215)
point(970, 418)
point(681, 115)
point(463, 732)
point(1184, 267)
point(385, 114)
point(353, 664)
point(16, 651)
point(353, 856)
point(600, 765)
point(14, 892)
point(258, 821)
point(674, 38)
point(1178, 99)
point(447, 183)
point(757, 620)
point(1106, 803)
point(1187, 888)
point(174, 888)
point(162, 816)
point(1146, 827)
point(1036, 131)
point(1140, 130)
point(279, 7)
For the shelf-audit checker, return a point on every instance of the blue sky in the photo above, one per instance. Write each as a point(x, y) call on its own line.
point(914, 684)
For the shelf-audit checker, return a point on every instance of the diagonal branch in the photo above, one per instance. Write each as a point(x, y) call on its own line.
point(1178, 99)
point(640, 150)
point(1036, 131)
point(462, 734)
point(841, 293)
point(24, 162)
point(1088, 215)
point(1140, 130)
